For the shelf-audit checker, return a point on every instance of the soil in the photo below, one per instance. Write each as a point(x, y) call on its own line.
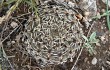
point(14, 48)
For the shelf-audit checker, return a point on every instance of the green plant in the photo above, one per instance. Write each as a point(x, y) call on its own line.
point(107, 14)
point(102, 15)
point(108, 20)
point(32, 5)
point(89, 42)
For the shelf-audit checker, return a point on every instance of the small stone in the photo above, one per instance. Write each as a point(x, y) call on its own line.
point(94, 61)
point(86, 14)
point(71, 4)
point(102, 38)
point(102, 27)
point(14, 24)
point(103, 68)
point(108, 62)
point(103, 10)
point(13, 42)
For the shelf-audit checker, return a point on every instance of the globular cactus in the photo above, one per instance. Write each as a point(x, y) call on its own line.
point(57, 36)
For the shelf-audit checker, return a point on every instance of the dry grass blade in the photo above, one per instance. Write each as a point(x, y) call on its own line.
point(10, 11)
point(10, 33)
point(4, 55)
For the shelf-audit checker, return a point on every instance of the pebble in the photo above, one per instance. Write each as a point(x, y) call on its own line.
point(14, 24)
point(94, 61)
point(103, 68)
point(13, 42)
point(108, 62)
point(103, 10)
